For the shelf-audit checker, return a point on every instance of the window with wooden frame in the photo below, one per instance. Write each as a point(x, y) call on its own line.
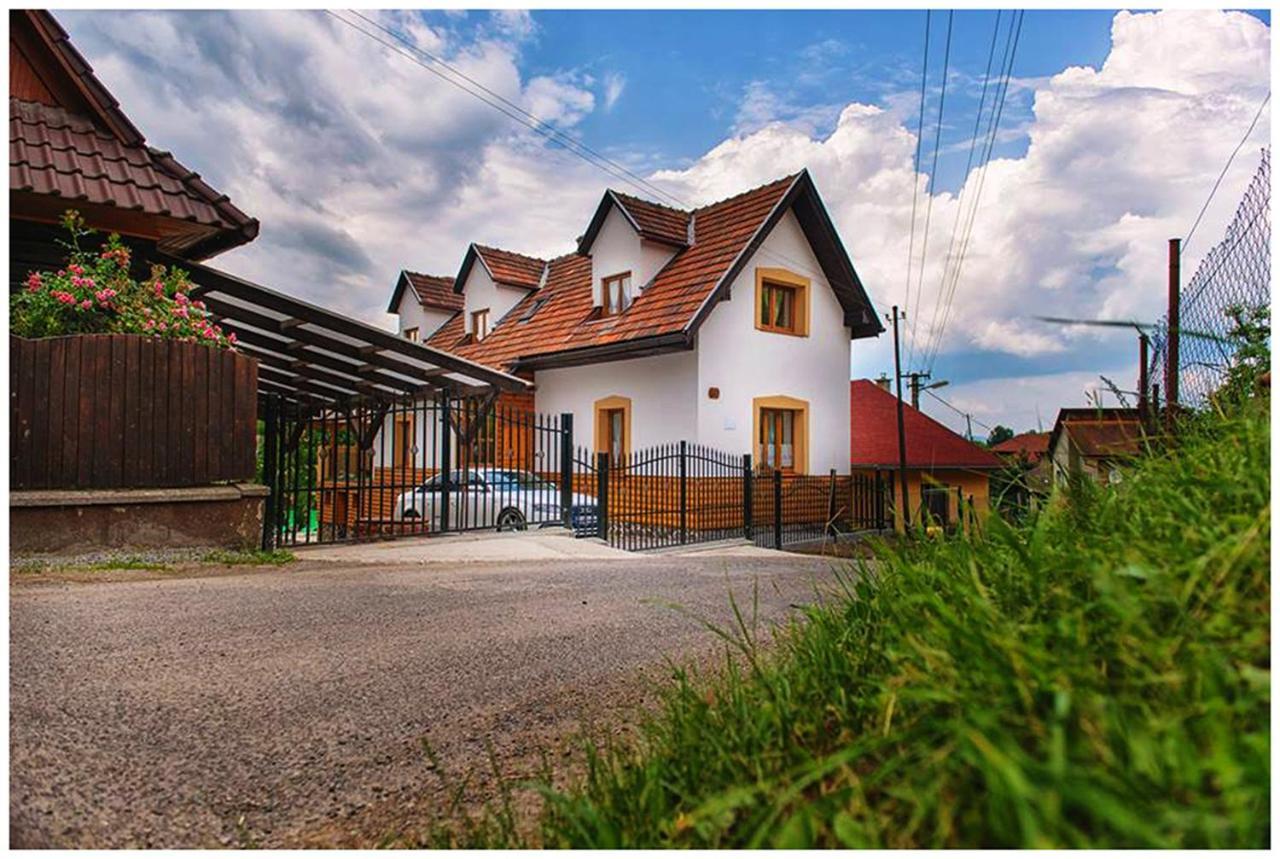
point(615, 293)
point(782, 434)
point(480, 324)
point(782, 302)
point(613, 428)
point(411, 334)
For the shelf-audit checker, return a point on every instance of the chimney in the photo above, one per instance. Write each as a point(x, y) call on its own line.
point(883, 382)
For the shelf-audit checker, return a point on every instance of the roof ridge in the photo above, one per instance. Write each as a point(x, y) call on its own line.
point(649, 202)
point(781, 179)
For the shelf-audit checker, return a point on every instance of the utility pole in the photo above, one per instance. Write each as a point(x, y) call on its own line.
point(1175, 324)
point(968, 422)
point(1143, 382)
point(916, 379)
point(902, 433)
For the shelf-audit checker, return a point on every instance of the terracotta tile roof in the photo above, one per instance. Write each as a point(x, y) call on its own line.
point(1031, 445)
point(873, 437)
point(557, 322)
point(103, 159)
point(434, 292)
point(654, 221)
point(511, 268)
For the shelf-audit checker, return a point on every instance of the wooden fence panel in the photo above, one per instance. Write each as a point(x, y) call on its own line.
point(107, 411)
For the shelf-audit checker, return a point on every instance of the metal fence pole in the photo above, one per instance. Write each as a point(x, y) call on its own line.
point(446, 458)
point(684, 492)
point(602, 495)
point(566, 469)
point(831, 505)
point(777, 509)
point(747, 505)
point(270, 440)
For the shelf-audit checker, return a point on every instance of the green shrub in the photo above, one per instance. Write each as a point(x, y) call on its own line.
point(1097, 678)
point(96, 294)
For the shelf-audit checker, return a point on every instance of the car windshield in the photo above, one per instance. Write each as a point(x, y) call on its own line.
point(519, 480)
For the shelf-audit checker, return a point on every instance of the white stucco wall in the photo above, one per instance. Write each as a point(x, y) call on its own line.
point(413, 315)
point(618, 248)
point(662, 389)
point(745, 363)
point(480, 292)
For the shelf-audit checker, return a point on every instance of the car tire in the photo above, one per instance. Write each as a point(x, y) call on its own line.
point(512, 519)
point(411, 514)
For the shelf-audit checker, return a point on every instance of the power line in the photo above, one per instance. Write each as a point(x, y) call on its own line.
point(960, 200)
point(915, 173)
point(933, 178)
point(959, 411)
point(1225, 168)
point(1011, 51)
point(540, 126)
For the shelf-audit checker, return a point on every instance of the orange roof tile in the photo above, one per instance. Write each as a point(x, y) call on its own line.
point(654, 221)
point(511, 268)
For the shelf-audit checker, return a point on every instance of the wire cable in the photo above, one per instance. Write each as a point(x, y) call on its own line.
point(933, 179)
point(915, 173)
point(958, 411)
point(1221, 175)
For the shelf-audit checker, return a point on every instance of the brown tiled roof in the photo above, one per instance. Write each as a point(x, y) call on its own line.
point(559, 320)
point(654, 221)
point(1032, 445)
point(434, 292)
point(512, 269)
point(103, 159)
point(61, 154)
point(1106, 439)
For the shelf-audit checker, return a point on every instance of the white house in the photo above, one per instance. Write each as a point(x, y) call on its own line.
point(728, 326)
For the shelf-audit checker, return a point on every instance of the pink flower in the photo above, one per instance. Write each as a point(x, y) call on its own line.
point(86, 304)
point(149, 324)
point(181, 311)
point(163, 326)
point(34, 282)
point(64, 297)
point(75, 269)
point(180, 297)
point(231, 338)
point(159, 288)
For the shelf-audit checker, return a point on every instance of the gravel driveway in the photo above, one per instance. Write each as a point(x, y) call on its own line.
point(288, 707)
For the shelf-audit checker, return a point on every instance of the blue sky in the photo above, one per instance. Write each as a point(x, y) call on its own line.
point(360, 163)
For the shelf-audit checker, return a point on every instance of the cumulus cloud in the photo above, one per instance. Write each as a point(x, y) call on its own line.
point(359, 163)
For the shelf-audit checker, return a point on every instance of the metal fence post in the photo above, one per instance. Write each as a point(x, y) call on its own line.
point(747, 505)
point(446, 459)
point(566, 469)
point(777, 509)
point(684, 492)
point(602, 495)
point(831, 505)
point(270, 440)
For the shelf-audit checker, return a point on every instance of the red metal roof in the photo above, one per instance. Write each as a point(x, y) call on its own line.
point(1106, 439)
point(873, 437)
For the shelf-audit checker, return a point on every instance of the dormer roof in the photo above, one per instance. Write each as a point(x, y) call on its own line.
point(433, 292)
point(652, 221)
point(505, 267)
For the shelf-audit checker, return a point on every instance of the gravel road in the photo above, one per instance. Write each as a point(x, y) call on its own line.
point(288, 707)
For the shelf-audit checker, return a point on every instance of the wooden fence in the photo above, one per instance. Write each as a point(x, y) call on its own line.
point(102, 411)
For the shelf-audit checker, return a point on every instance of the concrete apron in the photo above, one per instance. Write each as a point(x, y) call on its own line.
point(491, 546)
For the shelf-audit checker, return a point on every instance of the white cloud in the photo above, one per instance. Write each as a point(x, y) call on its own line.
point(360, 163)
point(1022, 403)
point(614, 84)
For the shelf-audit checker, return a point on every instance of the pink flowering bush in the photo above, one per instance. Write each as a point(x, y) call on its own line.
point(95, 294)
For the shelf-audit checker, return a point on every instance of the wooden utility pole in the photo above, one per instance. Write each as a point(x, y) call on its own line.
point(916, 379)
point(902, 432)
point(1174, 326)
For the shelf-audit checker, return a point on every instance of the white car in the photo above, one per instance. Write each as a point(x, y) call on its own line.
point(502, 498)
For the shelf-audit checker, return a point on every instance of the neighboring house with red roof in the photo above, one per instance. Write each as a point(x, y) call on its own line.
point(1028, 446)
point(942, 466)
point(1095, 443)
point(728, 325)
point(1028, 452)
point(71, 146)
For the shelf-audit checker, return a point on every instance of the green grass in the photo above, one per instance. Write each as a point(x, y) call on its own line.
point(258, 557)
point(160, 560)
point(1099, 677)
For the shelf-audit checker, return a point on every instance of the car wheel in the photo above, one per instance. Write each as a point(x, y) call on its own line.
point(411, 514)
point(511, 520)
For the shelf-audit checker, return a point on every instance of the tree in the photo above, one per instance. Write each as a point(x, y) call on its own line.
point(999, 434)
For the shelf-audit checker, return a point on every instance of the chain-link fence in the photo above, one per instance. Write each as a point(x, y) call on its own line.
point(1236, 274)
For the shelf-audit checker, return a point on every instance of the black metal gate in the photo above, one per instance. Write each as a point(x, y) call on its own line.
point(679, 494)
point(415, 467)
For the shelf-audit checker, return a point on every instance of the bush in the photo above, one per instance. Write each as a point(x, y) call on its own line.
point(95, 294)
point(1097, 678)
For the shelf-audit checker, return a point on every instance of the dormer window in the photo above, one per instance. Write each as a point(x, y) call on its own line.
point(480, 324)
point(411, 334)
point(616, 293)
